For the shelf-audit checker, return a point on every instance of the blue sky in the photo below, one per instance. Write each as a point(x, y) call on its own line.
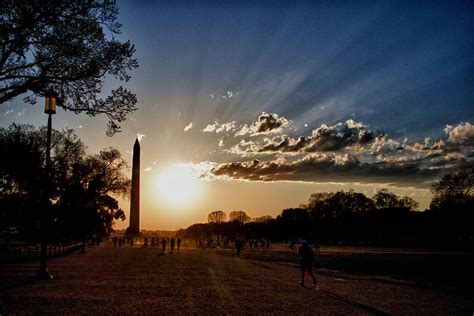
point(401, 68)
point(223, 83)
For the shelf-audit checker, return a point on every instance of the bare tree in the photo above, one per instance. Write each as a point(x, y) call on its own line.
point(239, 216)
point(216, 217)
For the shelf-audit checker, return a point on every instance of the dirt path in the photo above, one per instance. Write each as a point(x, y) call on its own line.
point(137, 280)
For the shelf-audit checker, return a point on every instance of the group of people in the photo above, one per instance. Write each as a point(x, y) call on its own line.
point(262, 244)
point(153, 242)
point(173, 242)
point(122, 241)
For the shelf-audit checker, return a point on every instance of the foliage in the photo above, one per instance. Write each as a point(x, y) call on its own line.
point(87, 193)
point(385, 199)
point(69, 47)
point(75, 199)
point(452, 206)
point(454, 190)
point(294, 222)
point(338, 206)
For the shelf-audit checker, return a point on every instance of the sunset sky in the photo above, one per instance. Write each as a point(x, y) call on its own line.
point(255, 107)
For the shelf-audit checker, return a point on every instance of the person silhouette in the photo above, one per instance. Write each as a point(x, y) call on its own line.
point(172, 244)
point(163, 244)
point(178, 242)
point(238, 246)
point(307, 256)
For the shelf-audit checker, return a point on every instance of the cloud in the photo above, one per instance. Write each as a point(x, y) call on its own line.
point(324, 138)
point(80, 126)
point(338, 136)
point(243, 148)
point(188, 127)
point(266, 123)
point(218, 128)
point(221, 142)
point(323, 167)
point(140, 136)
point(349, 152)
point(229, 94)
point(8, 112)
point(147, 169)
point(460, 134)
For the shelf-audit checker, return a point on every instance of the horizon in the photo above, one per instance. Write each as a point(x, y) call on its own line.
point(255, 107)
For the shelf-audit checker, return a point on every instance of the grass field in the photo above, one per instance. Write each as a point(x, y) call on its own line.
point(214, 281)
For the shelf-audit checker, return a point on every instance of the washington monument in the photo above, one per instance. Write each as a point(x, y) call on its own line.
point(134, 227)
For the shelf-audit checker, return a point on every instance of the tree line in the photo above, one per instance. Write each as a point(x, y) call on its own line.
point(351, 218)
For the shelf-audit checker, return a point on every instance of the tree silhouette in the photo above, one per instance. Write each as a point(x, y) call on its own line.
point(294, 223)
point(216, 217)
point(68, 47)
point(87, 194)
point(385, 199)
point(452, 206)
point(455, 188)
point(240, 217)
point(78, 200)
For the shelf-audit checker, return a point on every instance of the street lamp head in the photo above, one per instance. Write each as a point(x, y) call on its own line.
point(50, 102)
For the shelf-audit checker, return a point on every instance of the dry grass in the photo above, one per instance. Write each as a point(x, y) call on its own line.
point(136, 281)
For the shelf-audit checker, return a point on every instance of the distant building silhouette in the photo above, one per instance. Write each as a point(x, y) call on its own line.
point(134, 227)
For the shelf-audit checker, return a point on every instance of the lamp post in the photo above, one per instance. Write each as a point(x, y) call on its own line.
point(50, 109)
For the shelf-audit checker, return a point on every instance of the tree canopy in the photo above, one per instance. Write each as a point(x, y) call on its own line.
point(68, 47)
point(456, 188)
point(75, 199)
point(385, 199)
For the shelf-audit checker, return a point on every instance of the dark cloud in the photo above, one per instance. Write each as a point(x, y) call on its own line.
point(327, 168)
point(339, 136)
point(266, 123)
point(285, 144)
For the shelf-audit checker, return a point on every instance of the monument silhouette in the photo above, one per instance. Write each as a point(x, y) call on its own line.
point(134, 227)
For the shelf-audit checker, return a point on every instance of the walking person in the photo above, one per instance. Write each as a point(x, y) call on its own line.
point(178, 242)
point(163, 244)
point(172, 244)
point(307, 257)
point(238, 246)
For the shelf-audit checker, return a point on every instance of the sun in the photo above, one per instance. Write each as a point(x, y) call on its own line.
point(178, 185)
